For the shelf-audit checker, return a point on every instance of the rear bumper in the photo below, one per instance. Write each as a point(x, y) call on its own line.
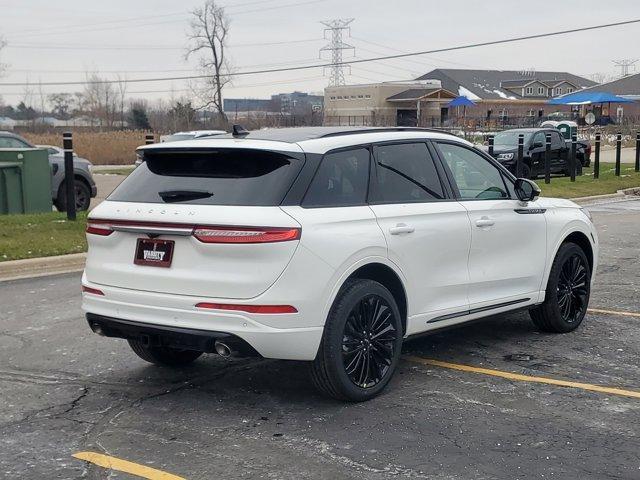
point(130, 312)
point(163, 336)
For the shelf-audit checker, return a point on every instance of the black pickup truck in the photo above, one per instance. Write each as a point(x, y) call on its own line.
point(505, 150)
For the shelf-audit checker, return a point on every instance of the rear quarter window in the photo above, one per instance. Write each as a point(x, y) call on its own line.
point(210, 177)
point(341, 180)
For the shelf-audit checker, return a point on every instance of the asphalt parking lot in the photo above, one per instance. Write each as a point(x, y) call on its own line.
point(462, 405)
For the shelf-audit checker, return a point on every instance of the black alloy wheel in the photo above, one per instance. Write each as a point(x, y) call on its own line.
point(572, 289)
point(567, 293)
point(361, 343)
point(368, 341)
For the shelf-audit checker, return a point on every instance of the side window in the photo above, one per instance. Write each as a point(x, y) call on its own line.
point(539, 138)
point(341, 180)
point(8, 142)
point(475, 176)
point(406, 173)
point(556, 140)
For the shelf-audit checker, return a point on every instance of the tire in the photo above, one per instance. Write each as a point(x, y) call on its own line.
point(568, 291)
point(169, 357)
point(345, 366)
point(526, 171)
point(83, 196)
point(584, 161)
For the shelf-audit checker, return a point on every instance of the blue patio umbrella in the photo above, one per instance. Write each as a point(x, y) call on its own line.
point(587, 98)
point(461, 101)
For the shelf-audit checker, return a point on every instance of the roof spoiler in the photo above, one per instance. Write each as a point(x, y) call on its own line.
point(239, 131)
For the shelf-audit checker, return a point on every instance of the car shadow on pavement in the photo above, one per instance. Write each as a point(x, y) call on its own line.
point(248, 380)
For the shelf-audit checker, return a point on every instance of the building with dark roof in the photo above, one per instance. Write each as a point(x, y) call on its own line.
point(502, 97)
point(628, 87)
point(490, 85)
point(387, 103)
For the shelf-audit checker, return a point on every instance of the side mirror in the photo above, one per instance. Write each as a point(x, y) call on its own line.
point(537, 145)
point(526, 190)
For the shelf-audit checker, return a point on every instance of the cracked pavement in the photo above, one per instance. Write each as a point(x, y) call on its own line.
point(64, 390)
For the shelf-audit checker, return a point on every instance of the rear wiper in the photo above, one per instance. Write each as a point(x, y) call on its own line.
point(171, 196)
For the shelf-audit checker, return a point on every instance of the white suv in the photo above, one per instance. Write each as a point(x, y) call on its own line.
point(327, 245)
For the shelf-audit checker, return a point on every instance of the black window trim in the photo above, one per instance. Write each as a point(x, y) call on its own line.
point(366, 147)
point(448, 197)
point(505, 174)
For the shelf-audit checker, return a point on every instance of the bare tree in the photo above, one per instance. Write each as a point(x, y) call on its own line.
point(61, 104)
point(208, 40)
point(101, 100)
point(42, 96)
point(122, 96)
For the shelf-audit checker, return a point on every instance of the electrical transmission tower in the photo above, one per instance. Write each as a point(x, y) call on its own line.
point(624, 65)
point(336, 46)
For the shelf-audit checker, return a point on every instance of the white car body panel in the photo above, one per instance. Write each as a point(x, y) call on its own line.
point(507, 257)
point(429, 256)
point(198, 268)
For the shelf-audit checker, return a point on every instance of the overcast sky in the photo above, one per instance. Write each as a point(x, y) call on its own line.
point(59, 41)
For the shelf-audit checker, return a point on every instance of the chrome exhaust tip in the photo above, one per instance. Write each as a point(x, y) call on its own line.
point(98, 329)
point(222, 349)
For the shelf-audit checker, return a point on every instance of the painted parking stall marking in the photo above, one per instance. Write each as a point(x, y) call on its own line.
point(526, 378)
point(613, 312)
point(125, 466)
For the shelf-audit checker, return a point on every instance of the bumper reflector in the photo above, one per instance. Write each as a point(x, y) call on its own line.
point(92, 291)
point(264, 309)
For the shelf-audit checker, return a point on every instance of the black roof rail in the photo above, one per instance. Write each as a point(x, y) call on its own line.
point(385, 129)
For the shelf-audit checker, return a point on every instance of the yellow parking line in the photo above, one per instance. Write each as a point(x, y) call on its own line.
point(114, 463)
point(525, 378)
point(613, 312)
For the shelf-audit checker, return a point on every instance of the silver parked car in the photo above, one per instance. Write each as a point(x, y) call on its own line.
point(84, 184)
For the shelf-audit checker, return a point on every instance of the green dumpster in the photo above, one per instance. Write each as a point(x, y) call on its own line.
point(567, 129)
point(25, 181)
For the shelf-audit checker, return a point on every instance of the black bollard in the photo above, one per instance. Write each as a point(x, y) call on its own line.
point(618, 153)
point(547, 159)
point(69, 180)
point(520, 155)
point(596, 161)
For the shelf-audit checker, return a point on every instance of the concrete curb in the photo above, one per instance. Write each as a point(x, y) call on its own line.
point(619, 195)
point(40, 267)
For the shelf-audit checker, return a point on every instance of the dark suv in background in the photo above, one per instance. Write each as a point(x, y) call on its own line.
point(84, 184)
point(505, 150)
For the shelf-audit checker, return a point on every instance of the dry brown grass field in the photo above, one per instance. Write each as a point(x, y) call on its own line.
point(101, 148)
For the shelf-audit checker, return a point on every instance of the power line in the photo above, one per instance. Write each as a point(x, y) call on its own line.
point(145, 47)
point(417, 62)
point(172, 90)
point(354, 61)
point(84, 28)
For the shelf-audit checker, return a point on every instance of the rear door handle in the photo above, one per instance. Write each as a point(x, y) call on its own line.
point(401, 228)
point(485, 222)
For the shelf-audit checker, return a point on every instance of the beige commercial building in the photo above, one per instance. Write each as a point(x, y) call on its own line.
point(387, 103)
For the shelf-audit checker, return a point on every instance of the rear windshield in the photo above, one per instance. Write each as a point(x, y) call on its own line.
point(211, 177)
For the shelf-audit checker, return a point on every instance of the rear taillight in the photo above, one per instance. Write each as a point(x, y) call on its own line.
point(264, 309)
point(245, 235)
point(102, 229)
point(92, 291)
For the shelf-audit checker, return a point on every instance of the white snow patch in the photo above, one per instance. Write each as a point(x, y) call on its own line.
point(501, 94)
point(467, 93)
